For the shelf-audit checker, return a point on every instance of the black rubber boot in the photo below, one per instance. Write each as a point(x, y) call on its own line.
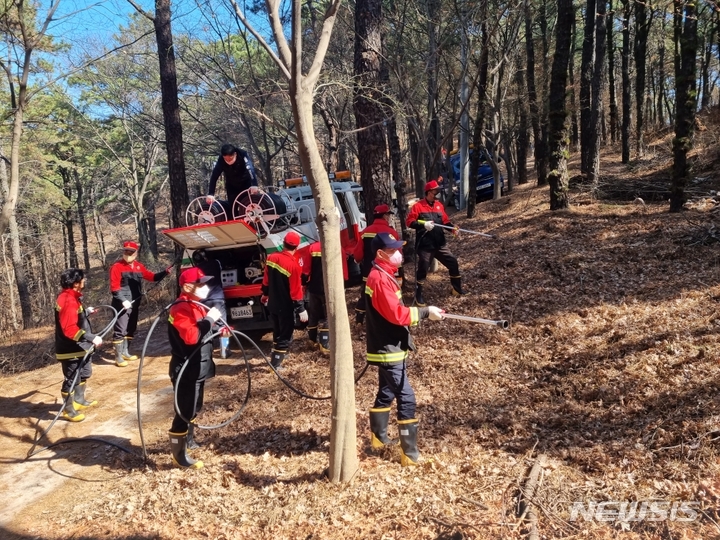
point(312, 333)
point(79, 399)
point(324, 337)
point(276, 359)
point(379, 418)
point(419, 300)
point(119, 349)
point(191, 443)
point(126, 351)
point(178, 446)
point(457, 289)
point(69, 412)
point(409, 453)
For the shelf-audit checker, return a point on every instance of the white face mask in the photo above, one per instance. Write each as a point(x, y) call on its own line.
point(202, 291)
point(396, 259)
point(130, 258)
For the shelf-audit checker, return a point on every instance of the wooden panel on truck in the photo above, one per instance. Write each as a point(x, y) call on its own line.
point(213, 235)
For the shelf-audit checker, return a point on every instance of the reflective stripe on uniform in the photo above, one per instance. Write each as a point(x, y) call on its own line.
point(387, 358)
point(279, 268)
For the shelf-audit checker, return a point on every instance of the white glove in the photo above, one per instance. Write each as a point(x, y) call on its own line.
point(429, 225)
point(90, 310)
point(436, 314)
point(214, 314)
point(127, 304)
point(97, 341)
point(210, 199)
point(303, 315)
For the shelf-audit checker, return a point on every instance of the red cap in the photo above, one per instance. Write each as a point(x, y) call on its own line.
point(432, 184)
point(292, 239)
point(193, 275)
point(130, 245)
point(382, 209)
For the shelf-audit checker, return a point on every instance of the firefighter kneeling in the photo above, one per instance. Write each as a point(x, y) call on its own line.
point(388, 343)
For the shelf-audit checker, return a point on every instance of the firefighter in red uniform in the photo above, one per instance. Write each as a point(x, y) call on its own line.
point(283, 296)
point(190, 325)
point(126, 276)
point(73, 340)
point(430, 240)
point(388, 343)
point(365, 256)
point(318, 329)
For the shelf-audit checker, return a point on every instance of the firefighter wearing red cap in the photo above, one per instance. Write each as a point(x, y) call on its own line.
point(283, 296)
point(388, 342)
point(126, 276)
point(189, 330)
point(364, 255)
point(430, 240)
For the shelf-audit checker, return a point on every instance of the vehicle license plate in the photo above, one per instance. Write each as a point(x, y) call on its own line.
point(484, 186)
point(241, 312)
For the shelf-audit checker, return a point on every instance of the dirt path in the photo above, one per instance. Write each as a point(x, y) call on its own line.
point(30, 402)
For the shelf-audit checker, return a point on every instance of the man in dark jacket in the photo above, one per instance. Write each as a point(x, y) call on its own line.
point(283, 296)
point(430, 240)
point(189, 325)
point(364, 255)
point(126, 277)
point(73, 341)
point(237, 168)
point(388, 342)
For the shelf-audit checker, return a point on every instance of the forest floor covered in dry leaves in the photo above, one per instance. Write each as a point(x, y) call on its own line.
point(609, 371)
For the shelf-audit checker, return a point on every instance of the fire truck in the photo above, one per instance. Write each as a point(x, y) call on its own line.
point(241, 235)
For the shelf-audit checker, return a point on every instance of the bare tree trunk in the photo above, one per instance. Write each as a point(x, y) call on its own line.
point(661, 74)
point(558, 176)
point(706, 58)
point(367, 104)
point(9, 282)
point(574, 132)
point(479, 118)
point(642, 28)
point(523, 140)
point(540, 148)
point(80, 204)
point(626, 103)
point(611, 73)
point(586, 74)
point(686, 101)
point(597, 94)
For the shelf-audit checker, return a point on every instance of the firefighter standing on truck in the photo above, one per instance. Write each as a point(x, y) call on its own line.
point(430, 240)
point(364, 255)
point(388, 342)
point(126, 277)
point(190, 325)
point(283, 296)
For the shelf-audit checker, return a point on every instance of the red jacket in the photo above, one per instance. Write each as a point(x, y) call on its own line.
point(364, 254)
point(126, 279)
point(422, 210)
point(312, 269)
point(282, 284)
point(188, 325)
point(72, 329)
point(387, 318)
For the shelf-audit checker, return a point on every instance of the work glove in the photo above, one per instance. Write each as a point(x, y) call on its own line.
point(210, 199)
point(429, 225)
point(213, 314)
point(127, 304)
point(303, 316)
point(264, 300)
point(90, 310)
point(456, 231)
point(436, 314)
point(97, 341)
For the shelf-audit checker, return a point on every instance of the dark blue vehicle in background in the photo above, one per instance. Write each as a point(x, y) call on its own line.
point(485, 179)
